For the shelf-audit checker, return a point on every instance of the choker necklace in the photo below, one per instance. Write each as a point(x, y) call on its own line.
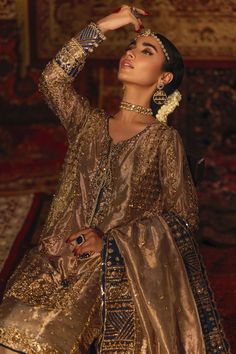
point(135, 107)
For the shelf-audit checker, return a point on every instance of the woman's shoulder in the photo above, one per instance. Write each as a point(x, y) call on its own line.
point(164, 130)
point(170, 133)
point(168, 137)
point(98, 114)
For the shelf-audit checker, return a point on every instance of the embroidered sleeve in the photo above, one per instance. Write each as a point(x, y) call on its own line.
point(178, 190)
point(56, 81)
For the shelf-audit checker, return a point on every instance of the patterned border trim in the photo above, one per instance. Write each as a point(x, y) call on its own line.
point(214, 336)
point(121, 332)
point(71, 58)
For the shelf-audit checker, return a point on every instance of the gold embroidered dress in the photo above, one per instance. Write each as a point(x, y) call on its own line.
point(147, 292)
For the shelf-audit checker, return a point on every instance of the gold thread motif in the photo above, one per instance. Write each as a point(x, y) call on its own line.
point(24, 341)
point(71, 58)
point(35, 285)
point(170, 162)
point(91, 329)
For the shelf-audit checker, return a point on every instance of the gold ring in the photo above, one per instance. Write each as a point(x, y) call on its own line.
point(135, 12)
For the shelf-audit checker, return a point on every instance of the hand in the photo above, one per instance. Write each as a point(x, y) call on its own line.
point(93, 241)
point(120, 18)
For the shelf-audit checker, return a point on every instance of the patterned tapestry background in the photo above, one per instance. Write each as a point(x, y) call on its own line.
point(32, 31)
point(200, 29)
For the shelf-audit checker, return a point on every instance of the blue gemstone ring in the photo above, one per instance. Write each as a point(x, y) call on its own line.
point(80, 239)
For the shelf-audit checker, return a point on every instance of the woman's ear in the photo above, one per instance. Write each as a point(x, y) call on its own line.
point(167, 77)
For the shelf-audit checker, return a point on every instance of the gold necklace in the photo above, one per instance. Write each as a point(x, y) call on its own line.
point(135, 107)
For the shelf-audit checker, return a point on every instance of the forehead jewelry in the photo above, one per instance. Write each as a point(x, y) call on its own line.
point(148, 32)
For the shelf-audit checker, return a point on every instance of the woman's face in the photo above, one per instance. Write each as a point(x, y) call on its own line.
point(146, 58)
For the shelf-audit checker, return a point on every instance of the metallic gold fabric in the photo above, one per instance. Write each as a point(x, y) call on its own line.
point(52, 296)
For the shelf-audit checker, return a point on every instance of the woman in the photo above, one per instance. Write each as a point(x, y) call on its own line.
point(116, 263)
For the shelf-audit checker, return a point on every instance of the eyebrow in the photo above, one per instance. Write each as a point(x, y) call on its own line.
point(150, 45)
point(145, 44)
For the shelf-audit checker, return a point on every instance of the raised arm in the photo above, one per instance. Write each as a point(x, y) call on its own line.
point(56, 81)
point(179, 193)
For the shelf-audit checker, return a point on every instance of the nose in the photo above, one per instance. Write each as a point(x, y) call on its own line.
point(129, 53)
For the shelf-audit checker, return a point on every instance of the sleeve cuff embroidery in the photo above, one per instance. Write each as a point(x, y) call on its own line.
point(71, 58)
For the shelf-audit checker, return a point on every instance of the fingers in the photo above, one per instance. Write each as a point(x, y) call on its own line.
point(89, 240)
point(89, 245)
point(86, 247)
point(93, 238)
point(137, 22)
point(74, 236)
point(83, 249)
point(142, 12)
point(140, 23)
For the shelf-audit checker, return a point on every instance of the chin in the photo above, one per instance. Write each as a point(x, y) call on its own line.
point(122, 74)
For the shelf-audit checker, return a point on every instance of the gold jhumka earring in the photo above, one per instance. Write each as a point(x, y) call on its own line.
point(160, 97)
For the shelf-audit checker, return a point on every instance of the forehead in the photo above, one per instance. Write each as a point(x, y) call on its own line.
point(147, 39)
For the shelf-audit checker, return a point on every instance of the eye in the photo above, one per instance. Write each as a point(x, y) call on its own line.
point(147, 51)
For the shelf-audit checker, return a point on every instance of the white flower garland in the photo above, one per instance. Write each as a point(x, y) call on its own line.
point(171, 103)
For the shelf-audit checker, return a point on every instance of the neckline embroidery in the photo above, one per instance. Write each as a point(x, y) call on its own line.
point(121, 142)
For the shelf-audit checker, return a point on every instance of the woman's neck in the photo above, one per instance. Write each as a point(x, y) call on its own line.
point(137, 96)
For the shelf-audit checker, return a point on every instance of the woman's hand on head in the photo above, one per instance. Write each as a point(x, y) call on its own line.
point(93, 241)
point(121, 17)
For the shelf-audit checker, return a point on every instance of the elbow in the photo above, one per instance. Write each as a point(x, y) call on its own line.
point(45, 83)
point(41, 84)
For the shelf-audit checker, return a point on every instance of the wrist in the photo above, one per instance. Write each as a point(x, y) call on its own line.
point(90, 37)
point(101, 26)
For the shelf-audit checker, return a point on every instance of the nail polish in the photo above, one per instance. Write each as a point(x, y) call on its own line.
point(146, 13)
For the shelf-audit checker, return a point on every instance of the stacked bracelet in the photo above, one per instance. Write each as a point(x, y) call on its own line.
point(89, 37)
point(71, 58)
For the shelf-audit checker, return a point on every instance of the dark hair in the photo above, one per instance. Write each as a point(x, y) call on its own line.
point(175, 65)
